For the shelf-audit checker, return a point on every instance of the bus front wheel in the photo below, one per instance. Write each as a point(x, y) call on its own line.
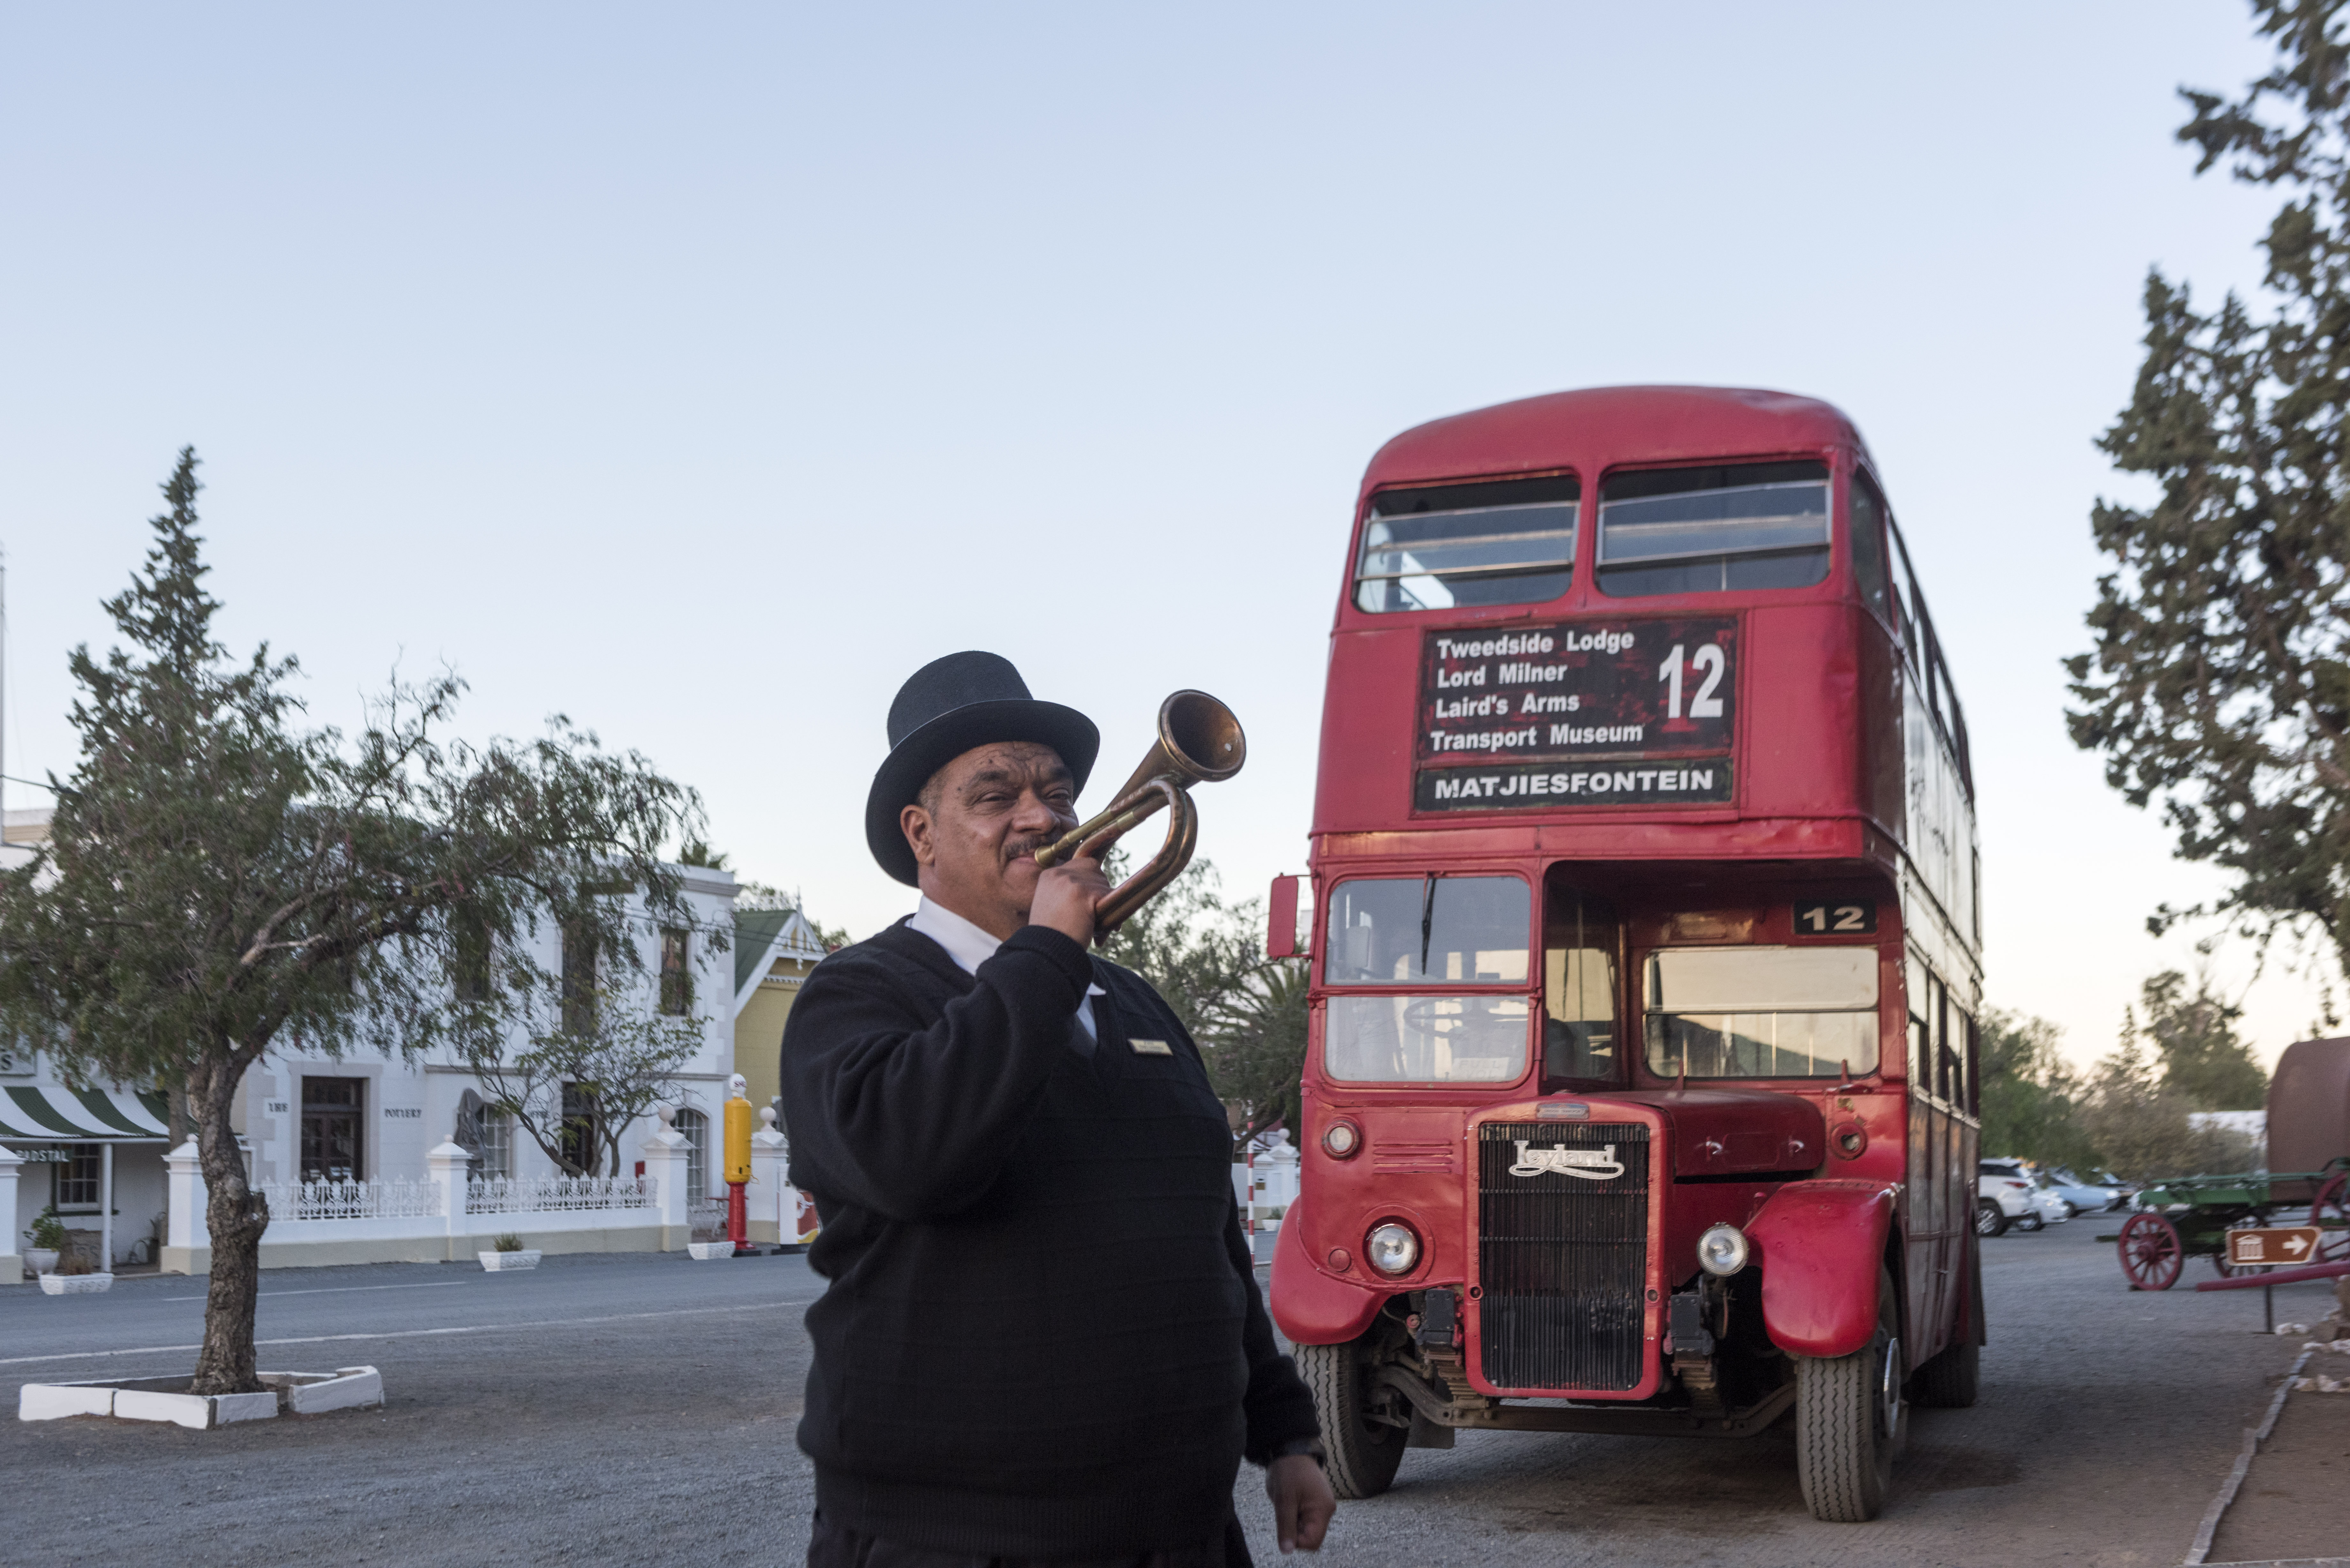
point(1363, 1452)
point(1850, 1416)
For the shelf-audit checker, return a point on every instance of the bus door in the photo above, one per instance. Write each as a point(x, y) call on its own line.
point(1582, 941)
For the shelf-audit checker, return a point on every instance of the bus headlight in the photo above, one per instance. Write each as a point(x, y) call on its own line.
point(1721, 1249)
point(1341, 1140)
point(1391, 1248)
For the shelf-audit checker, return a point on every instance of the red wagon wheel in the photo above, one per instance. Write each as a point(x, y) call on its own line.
point(2151, 1254)
point(2333, 1208)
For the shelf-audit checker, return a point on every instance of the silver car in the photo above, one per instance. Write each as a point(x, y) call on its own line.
point(2087, 1197)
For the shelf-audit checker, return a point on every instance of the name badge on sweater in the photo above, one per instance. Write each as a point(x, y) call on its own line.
point(1151, 1048)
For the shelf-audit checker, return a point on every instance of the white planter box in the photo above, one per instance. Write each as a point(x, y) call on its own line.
point(76, 1284)
point(703, 1250)
point(166, 1399)
point(40, 1260)
point(499, 1262)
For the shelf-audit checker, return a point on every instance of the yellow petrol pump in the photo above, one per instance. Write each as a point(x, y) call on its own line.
point(738, 1165)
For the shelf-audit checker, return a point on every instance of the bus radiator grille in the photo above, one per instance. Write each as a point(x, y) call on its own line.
point(1562, 1258)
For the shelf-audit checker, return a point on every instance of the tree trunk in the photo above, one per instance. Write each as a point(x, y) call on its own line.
point(234, 1217)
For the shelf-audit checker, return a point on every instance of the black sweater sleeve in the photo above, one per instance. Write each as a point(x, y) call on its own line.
point(911, 1121)
point(1278, 1408)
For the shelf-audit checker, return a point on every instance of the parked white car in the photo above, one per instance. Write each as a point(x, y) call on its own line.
point(2039, 1204)
point(2002, 1197)
point(2048, 1203)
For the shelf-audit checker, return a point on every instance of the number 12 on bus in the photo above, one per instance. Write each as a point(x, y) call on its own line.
point(1641, 1087)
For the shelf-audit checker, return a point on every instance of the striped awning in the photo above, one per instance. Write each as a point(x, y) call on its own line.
point(49, 1114)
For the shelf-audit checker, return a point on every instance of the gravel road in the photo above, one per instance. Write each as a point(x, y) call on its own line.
point(638, 1409)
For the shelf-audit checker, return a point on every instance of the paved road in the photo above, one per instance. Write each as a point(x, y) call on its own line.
point(640, 1410)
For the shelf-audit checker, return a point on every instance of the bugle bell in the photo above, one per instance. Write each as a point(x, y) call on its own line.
point(1199, 742)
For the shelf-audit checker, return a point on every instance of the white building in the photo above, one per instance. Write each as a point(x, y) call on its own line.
point(369, 1158)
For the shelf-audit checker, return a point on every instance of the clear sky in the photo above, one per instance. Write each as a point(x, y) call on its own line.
point(699, 372)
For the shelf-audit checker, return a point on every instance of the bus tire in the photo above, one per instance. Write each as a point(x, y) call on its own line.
point(1363, 1454)
point(1849, 1417)
point(1991, 1220)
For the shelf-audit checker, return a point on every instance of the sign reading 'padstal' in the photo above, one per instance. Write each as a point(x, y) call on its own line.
point(2280, 1244)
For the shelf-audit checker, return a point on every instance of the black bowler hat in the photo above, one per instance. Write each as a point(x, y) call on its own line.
point(944, 709)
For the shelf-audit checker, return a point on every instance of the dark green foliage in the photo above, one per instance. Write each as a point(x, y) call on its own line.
point(221, 880)
point(2130, 1113)
point(2030, 1096)
point(2220, 682)
point(2202, 1061)
point(1247, 1012)
point(697, 851)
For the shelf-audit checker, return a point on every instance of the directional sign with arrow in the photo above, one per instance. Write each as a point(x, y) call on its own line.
point(2281, 1244)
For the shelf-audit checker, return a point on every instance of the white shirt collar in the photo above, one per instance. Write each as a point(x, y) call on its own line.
point(971, 947)
point(965, 943)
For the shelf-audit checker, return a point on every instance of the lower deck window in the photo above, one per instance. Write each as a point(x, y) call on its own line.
point(1425, 1038)
point(1762, 1012)
point(77, 1178)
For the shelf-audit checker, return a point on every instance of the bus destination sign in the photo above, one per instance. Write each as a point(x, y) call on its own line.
point(1508, 716)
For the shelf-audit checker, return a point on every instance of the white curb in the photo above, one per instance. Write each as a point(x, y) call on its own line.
point(166, 1399)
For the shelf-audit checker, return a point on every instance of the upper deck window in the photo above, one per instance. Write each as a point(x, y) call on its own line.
point(1761, 1012)
point(1707, 530)
point(1506, 542)
point(1418, 931)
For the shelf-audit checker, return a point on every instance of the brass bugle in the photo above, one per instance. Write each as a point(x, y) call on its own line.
point(1199, 742)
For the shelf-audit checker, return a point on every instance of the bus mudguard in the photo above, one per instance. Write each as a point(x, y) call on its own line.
point(1821, 1246)
point(1311, 1306)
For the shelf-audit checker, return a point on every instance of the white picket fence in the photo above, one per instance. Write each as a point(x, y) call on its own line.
point(448, 1212)
point(395, 1200)
point(558, 1194)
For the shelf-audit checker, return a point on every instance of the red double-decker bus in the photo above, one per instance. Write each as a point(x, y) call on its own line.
point(1642, 1089)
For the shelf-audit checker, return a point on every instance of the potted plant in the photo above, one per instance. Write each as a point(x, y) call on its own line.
point(508, 1253)
point(47, 1237)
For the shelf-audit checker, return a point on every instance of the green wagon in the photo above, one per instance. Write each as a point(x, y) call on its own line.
point(2190, 1216)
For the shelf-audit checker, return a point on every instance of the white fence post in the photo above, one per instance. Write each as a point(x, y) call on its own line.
point(1281, 1176)
point(665, 1155)
point(187, 1232)
point(12, 1263)
point(451, 1166)
point(773, 1201)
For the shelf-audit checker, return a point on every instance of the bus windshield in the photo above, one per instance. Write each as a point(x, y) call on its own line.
point(1426, 1039)
point(1415, 930)
point(1762, 1012)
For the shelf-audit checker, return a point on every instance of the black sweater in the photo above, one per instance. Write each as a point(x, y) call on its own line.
point(1042, 1334)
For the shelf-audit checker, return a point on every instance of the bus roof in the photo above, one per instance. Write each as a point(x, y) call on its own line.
point(1616, 425)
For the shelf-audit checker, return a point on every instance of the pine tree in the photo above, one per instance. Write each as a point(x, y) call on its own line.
point(221, 880)
point(2219, 685)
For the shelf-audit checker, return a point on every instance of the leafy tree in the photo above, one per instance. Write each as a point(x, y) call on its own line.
point(1247, 1012)
point(763, 896)
point(585, 1075)
point(1257, 1049)
point(697, 851)
point(2203, 1062)
point(2220, 681)
point(2140, 1127)
point(221, 880)
point(2030, 1096)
